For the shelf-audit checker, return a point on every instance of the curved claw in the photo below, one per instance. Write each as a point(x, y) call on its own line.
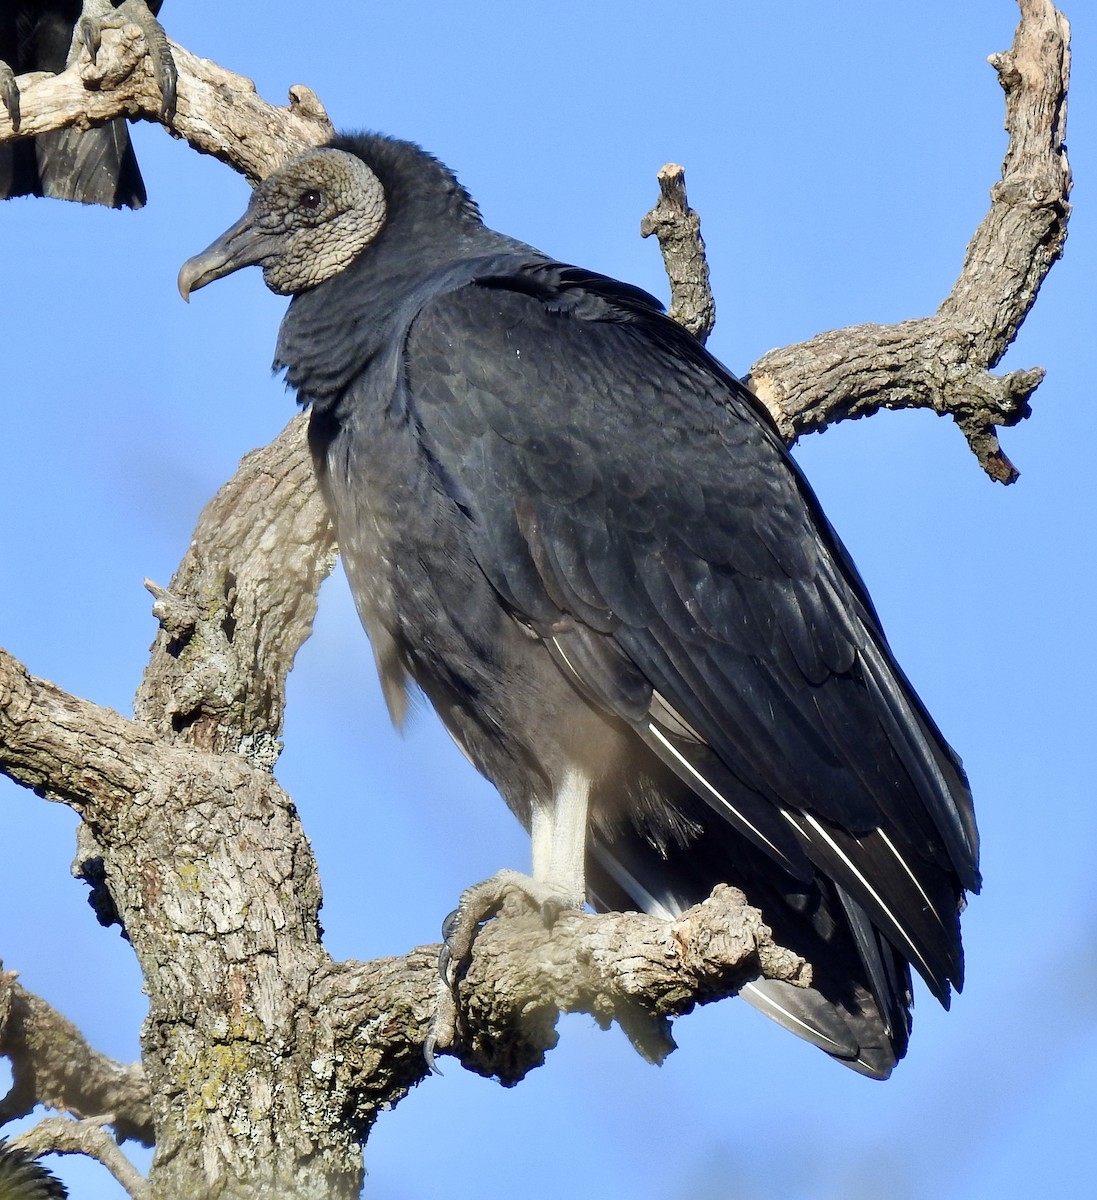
point(168, 78)
point(443, 1027)
point(9, 94)
point(428, 1054)
point(163, 65)
point(90, 32)
point(451, 924)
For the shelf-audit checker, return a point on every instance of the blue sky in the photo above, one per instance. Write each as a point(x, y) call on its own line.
point(840, 157)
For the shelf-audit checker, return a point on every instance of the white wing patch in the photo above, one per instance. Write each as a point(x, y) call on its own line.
point(767, 1005)
point(861, 878)
point(740, 820)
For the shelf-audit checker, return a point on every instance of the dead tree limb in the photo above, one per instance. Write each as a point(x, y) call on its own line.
point(53, 1065)
point(943, 362)
point(60, 1135)
point(678, 230)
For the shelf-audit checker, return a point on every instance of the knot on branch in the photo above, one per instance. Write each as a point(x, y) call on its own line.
point(200, 634)
point(123, 52)
point(176, 615)
point(304, 102)
point(1032, 191)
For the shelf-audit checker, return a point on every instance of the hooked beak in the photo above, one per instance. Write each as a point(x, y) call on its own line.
point(243, 245)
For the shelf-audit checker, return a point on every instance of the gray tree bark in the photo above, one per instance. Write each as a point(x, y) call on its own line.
point(264, 1061)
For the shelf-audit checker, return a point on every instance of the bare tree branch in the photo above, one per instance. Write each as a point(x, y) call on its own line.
point(60, 1135)
point(678, 229)
point(52, 1064)
point(239, 606)
point(942, 362)
point(68, 749)
point(638, 970)
point(217, 112)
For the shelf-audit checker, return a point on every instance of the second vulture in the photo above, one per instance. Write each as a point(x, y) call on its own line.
point(97, 165)
point(584, 540)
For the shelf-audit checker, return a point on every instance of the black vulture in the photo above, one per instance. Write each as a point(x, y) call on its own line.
point(583, 538)
point(22, 1177)
point(94, 166)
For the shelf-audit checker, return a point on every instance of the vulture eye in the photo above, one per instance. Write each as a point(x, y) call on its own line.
point(312, 199)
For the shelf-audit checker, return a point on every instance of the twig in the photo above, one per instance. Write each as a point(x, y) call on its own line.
point(942, 362)
point(61, 1135)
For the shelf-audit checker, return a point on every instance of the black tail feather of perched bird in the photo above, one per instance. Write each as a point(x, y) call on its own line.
point(22, 1177)
point(583, 538)
point(93, 166)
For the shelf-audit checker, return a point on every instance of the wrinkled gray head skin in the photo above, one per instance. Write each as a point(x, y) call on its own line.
point(304, 224)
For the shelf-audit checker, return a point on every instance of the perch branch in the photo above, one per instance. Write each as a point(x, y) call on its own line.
point(60, 1135)
point(638, 970)
point(217, 111)
point(942, 362)
point(53, 1065)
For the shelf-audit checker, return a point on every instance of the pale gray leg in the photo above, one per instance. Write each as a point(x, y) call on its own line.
point(558, 882)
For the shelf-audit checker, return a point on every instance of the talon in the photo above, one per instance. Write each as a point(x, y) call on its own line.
point(477, 904)
point(428, 1054)
point(90, 33)
point(168, 78)
point(443, 1028)
point(451, 924)
point(9, 94)
point(90, 28)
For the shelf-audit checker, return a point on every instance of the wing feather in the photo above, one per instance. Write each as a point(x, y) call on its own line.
point(632, 505)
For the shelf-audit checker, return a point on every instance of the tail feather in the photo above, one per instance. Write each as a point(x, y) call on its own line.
point(856, 1039)
point(857, 1009)
point(93, 166)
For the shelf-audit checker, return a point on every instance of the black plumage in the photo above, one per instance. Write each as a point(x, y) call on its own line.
point(94, 166)
point(584, 540)
point(22, 1177)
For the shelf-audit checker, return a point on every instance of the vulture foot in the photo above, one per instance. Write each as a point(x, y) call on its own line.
point(478, 904)
point(9, 93)
point(97, 16)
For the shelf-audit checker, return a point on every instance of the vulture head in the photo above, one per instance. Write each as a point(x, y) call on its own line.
point(304, 224)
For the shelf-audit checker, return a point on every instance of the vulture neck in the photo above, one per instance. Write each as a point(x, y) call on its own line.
point(334, 331)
